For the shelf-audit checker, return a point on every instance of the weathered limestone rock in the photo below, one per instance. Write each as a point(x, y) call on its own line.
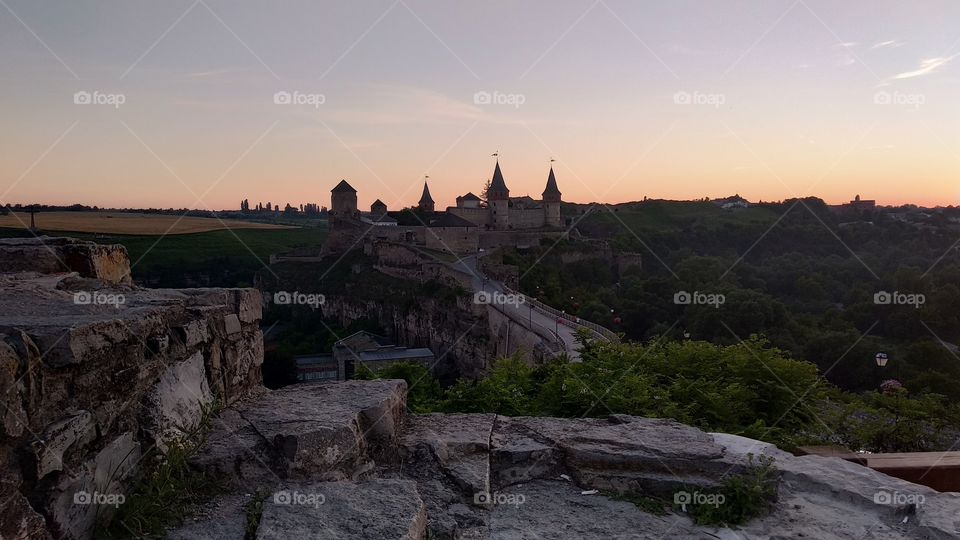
point(548, 510)
point(51, 255)
point(224, 519)
point(178, 401)
point(95, 490)
point(520, 454)
point(94, 370)
point(459, 442)
point(78, 429)
point(623, 454)
point(448, 456)
point(481, 476)
point(320, 431)
point(18, 520)
point(379, 509)
point(19, 382)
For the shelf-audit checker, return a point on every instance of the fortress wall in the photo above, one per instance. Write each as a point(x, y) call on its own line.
point(526, 218)
point(480, 216)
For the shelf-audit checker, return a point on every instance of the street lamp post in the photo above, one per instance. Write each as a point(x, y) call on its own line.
point(882, 360)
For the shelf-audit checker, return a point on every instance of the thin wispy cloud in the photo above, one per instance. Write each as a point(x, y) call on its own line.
point(845, 58)
point(891, 44)
point(214, 72)
point(927, 67)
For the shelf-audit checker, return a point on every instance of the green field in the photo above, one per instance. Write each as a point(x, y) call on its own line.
point(215, 258)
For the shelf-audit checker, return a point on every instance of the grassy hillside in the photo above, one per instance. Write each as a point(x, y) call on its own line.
point(667, 216)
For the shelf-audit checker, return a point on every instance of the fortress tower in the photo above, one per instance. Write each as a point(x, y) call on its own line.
point(343, 202)
point(426, 201)
point(498, 199)
point(551, 202)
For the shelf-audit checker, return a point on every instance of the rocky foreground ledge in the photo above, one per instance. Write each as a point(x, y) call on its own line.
point(95, 371)
point(343, 460)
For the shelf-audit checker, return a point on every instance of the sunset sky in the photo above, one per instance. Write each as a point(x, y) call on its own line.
point(770, 99)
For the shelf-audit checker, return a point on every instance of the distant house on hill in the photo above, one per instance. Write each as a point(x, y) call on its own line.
point(732, 203)
point(862, 204)
point(857, 204)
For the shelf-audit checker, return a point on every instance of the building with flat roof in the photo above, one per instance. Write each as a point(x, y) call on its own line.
point(359, 349)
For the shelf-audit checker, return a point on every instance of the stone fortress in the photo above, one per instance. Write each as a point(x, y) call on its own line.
point(471, 225)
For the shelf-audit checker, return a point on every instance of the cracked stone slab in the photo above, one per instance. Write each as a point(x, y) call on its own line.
point(376, 509)
point(311, 430)
point(552, 510)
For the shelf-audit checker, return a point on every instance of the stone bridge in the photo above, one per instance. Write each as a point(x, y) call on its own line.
point(555, 328)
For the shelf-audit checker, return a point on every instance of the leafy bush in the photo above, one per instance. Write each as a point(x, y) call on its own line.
point(423, 391)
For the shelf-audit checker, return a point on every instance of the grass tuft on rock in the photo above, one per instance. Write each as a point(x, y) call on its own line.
point(168, 488)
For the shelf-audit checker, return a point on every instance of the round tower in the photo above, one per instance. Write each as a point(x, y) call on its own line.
point(551, 202)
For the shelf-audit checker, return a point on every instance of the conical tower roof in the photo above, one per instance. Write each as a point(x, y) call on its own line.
point(497, 184)
point(426, 198)
point(551, 188)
